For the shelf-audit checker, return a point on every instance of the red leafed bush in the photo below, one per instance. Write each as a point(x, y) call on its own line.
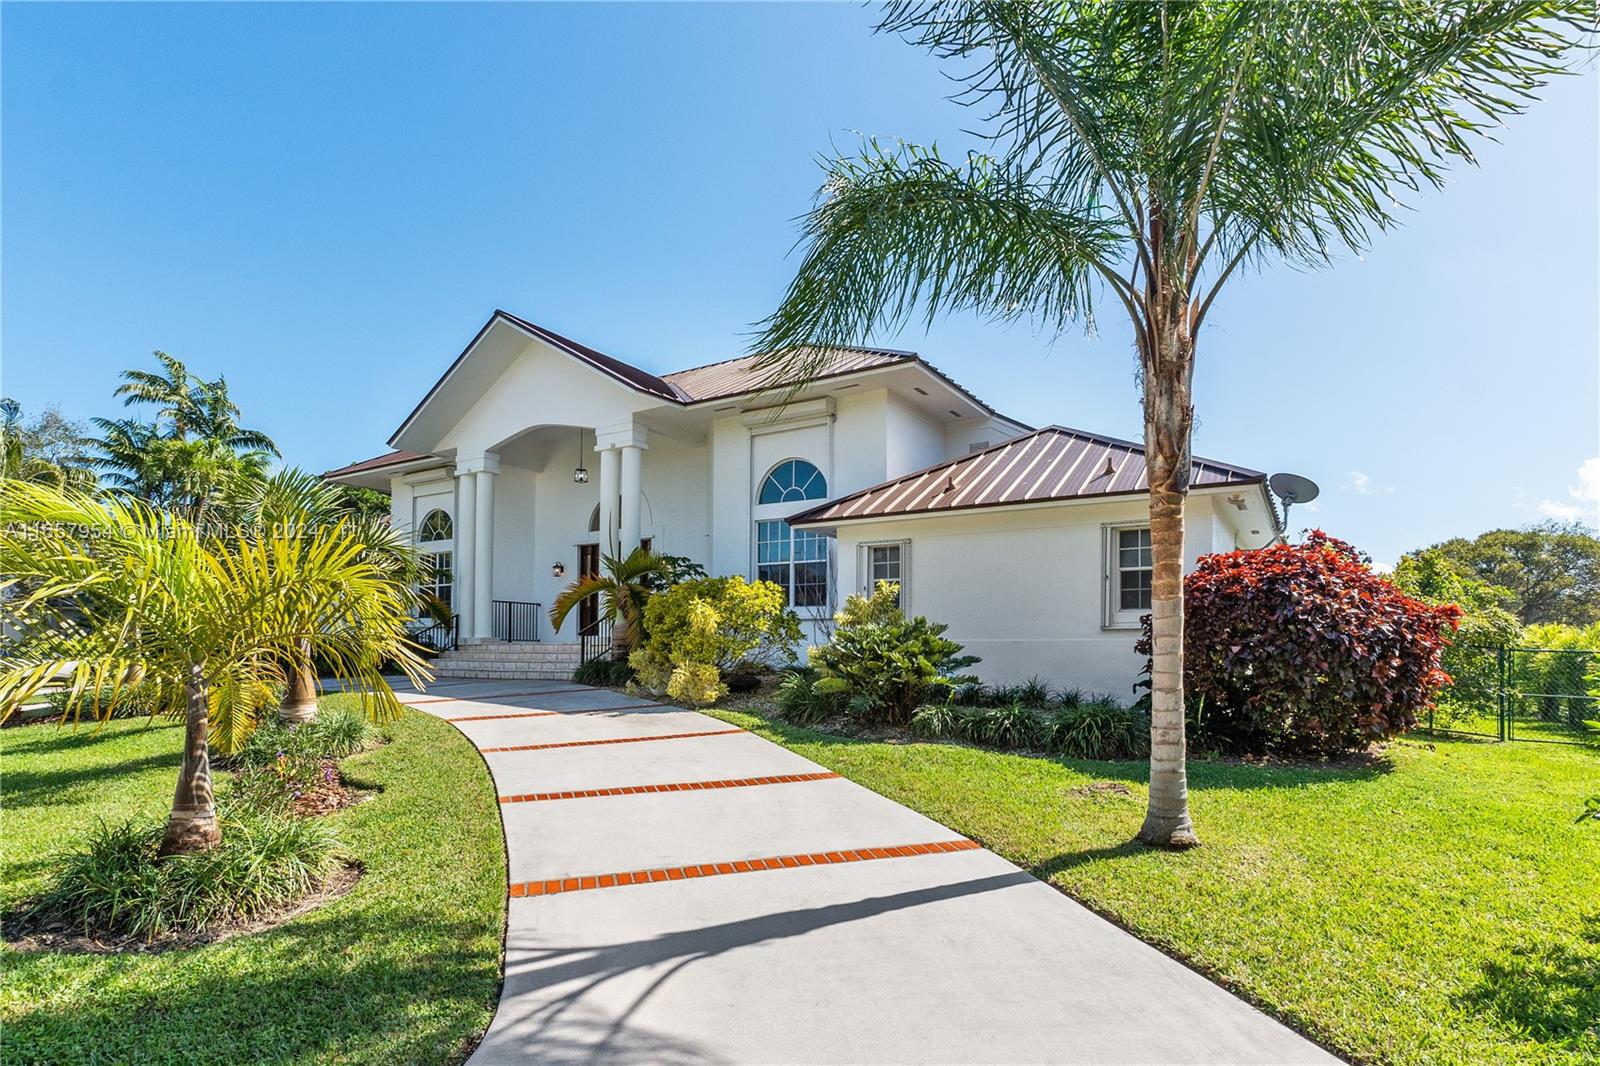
point(1301, 649)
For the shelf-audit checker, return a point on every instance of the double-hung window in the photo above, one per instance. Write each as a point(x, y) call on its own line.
point(887, 562)
point(796, 560)
point(1129, 568)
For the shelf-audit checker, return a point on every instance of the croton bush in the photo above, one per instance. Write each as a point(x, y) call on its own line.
point(1302, 649)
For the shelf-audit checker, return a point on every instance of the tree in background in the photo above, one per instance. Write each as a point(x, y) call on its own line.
point(192, 447)
point(1152, 150)
point(47, 448)
point(204, 621)
point(1545, 573)
point(1473, 658)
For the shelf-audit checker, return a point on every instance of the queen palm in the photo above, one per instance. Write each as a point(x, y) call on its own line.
point(112, 595)
point(1148, 151)
point(623, 586)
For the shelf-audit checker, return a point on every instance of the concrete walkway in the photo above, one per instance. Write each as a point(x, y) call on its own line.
point(683, 891)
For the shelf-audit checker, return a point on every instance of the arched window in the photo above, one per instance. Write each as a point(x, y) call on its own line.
point(796, 559)
point(793, 481)
point(438, 565)
point(435, 527)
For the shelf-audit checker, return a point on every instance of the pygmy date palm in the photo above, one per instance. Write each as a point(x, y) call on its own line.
point(1149, 150)
point(623, 585)
point(108, 597)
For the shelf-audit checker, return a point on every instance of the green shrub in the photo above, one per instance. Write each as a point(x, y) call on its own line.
point(884, 664)
point(704, 626)
point(114, 884)
point(132, 701)
point(800, 702)
point(340, 731)
point(1472, 658)
point(1012, 726)
point(1098, 728)
point(335, 733)
point(1034, 692)
point(604, 672)
point(937, 721)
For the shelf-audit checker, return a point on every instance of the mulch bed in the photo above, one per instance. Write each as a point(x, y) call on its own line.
point(24, 932)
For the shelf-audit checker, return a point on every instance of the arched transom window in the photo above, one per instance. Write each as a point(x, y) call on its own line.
point(435, 527)
point(793, 481)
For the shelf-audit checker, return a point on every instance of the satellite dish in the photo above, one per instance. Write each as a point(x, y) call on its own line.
point(1292, 489)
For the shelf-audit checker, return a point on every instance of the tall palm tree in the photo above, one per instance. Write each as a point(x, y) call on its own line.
point(623, 586)
point(201, 621)
point(172, 390)
point(1149, 150)
point(193, 446)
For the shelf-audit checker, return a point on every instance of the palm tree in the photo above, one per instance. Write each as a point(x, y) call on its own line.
point(192, 447)
point(623, 586)
point(172, 391)
point(292, 497)
point(1150, 150)
point(203, 622)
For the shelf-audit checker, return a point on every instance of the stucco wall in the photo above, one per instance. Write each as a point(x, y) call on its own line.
point(1024, 589)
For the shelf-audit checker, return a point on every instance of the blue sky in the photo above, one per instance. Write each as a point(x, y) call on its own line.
point(325, 202)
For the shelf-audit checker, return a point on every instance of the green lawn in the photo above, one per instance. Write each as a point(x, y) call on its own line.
point(1440, 908)
point(405, 968)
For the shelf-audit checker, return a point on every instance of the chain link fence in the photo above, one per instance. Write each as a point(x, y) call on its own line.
point(1509, 692)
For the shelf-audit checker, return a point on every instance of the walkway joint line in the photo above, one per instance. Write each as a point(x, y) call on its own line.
point(684, 786)
point(740, 866)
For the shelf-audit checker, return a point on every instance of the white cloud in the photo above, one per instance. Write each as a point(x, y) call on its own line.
point(1382, 568)
point(1586, 495)
point(1365, 486)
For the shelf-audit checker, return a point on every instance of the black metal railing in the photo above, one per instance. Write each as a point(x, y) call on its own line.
point(440, 636)
point(594, 641)
point(515, 620)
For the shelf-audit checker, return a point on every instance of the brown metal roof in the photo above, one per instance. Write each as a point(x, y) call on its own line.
point(1054, 463)
point(642, 380)
point(714, 381)
point(735, 377)
point(375, 463)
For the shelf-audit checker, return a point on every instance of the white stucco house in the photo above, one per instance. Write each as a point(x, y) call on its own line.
point(533, 454)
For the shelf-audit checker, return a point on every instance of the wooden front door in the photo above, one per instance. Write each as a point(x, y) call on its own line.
point(589, 609)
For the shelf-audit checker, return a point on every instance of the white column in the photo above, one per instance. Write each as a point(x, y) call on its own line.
point(466, 543)
point(483, 562)
point(608, 500)
point(632, 468)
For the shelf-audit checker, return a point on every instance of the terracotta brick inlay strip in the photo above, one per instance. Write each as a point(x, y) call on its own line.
point(513, 714)
point(612, 740)
point(686, 786)
point(742, 866)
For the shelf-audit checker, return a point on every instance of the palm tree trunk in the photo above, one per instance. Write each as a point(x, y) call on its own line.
point(300, 698)
point(1169, 421)
point(192, 825)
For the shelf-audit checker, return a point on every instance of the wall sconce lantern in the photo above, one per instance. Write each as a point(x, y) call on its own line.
point(580, 476)
point(558, 570)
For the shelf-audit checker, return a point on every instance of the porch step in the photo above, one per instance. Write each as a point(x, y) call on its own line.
point(531, 661)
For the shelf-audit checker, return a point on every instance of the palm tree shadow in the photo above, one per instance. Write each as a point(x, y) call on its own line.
point(543, 1004)
point(1548, 990)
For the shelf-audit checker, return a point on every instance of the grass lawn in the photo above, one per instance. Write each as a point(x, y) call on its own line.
point(405, 968)
point(1441, 908)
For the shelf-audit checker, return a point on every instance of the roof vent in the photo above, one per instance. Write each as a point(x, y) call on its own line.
point(1111, 468)
point(954, 414)
point(949, 484)
point(919, 390)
